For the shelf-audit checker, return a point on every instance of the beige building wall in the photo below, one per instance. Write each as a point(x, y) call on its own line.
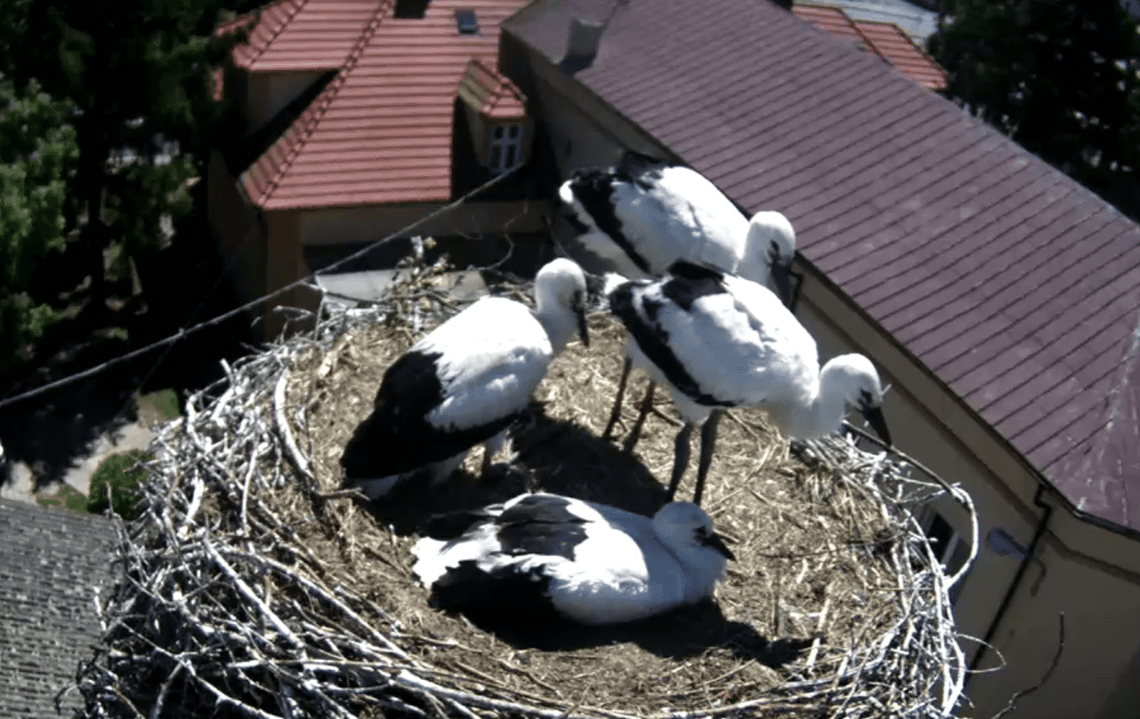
point(285, 264)
point(338, 225)
point(1086, 571)
point(269, 92)
point(237, 229)
point(1125, 697)
point(1090, 572)
point(289, 231)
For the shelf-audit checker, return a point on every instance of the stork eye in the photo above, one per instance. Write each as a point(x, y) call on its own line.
point(865, 398)
point(774, 252)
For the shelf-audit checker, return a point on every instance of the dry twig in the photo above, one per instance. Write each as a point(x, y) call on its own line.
point(1044, 678)
point(224, 603)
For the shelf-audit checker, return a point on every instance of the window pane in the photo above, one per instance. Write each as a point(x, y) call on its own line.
point(512, 150)
point(497, 133)
point(958, 558)
point(496, 157)
point(513, 132)
point(939, 533)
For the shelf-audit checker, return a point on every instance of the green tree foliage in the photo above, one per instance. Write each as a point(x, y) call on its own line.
point(118, 477)
point(37, 152)
point(138, 73)
point(1057, 77)
point(118, 94)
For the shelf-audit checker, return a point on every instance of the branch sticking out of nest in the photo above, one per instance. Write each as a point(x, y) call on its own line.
point(227, 598)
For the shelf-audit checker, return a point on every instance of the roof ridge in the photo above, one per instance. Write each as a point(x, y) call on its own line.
point(866, 40)
point(295, 4)
point(317, 111)
point(507, 87)
point(503, 84)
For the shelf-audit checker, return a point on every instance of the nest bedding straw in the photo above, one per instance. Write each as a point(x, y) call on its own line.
point(256, 585)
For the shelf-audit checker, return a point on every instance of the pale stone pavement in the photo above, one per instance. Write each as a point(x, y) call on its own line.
point(20, 484)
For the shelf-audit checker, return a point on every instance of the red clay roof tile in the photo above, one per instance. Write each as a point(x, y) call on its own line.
point(899, 50)
point(381, 132)
point(304, 34)
point(884, 39)
point(1013, 284)
point(832, 20)
point(489, 92)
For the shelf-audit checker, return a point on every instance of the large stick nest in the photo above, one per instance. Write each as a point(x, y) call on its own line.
point(255, 584)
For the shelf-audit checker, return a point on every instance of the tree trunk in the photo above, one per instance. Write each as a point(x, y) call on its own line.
point(90, 180)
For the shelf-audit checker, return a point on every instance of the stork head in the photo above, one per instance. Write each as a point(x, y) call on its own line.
point(771, 235)
point(560, 289)
point(685, 524)
point(856, 379)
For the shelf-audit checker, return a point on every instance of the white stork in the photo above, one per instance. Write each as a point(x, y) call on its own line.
point(541, 556)
point(465, 383)
point(643, 214)
point(718, 340)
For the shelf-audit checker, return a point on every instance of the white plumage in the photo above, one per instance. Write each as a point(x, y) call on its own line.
point(643, 214)
point(718, 340)
point(465, 383)
point(590, 563)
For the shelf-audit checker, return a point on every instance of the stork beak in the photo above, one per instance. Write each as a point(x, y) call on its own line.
point(583, 332)
point(874, 417)
point(711, 539)
point(781, 273)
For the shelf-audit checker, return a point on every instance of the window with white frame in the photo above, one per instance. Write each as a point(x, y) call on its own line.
point(506, 148)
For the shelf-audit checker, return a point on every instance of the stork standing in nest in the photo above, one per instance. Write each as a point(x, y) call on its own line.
point(643, 214)
point(717, 340)
point(542, 556)
point(465, 383)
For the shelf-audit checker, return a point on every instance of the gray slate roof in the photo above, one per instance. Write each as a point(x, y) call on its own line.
point(1014, 285)
point(50, 561)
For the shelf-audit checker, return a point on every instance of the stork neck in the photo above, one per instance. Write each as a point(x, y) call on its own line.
point(754, 262)
point(557, 320)
point(830, 404)
point(818, 416)
point(702, 568)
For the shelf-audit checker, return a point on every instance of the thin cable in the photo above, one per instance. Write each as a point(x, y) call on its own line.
point(254, 303)
point(227, 267)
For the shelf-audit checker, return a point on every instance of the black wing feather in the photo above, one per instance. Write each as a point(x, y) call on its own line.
point(397, 438)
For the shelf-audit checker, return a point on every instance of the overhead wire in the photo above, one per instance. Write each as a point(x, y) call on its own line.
point(302, 282)
point(227, 268)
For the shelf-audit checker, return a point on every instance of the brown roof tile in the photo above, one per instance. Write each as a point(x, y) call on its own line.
point(1012, 283)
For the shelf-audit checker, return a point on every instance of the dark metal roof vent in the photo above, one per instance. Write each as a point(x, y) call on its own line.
point(584, 39)
point(410, 9)
point(466, 21)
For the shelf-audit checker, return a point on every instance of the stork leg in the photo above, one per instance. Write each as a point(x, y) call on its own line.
point(708, 441)
point(490, 448)
point(487, 453)
point(646, 405)
point(680, 457)
point(616, 411)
